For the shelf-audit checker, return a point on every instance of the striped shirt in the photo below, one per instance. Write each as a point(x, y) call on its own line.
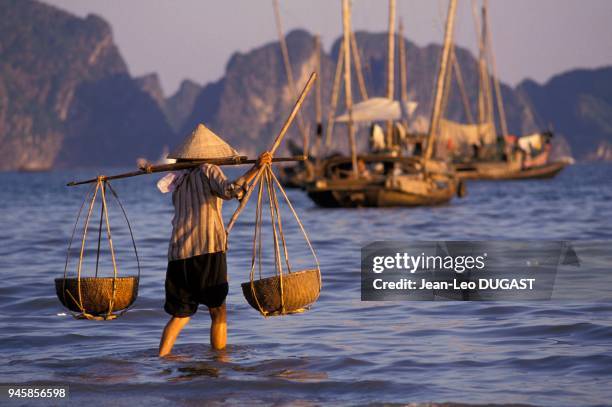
point(197, 226)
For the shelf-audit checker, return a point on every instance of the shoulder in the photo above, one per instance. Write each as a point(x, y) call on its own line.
point(212, 171)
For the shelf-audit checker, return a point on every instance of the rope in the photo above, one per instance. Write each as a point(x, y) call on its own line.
point(280, 224)
point(112, 251)
point(275, 221)
point(257, 237)
point(76, 223)
point(99, 237)
point(93, 200)
point(128, 225)
point(299, 222)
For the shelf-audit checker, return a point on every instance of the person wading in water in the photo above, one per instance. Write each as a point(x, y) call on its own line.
point(197, 268)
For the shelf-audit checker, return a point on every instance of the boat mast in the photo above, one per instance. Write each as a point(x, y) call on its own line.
point(289, 73)
point(461, 85)
point(436, 113)
point(447, 84)
point(318, 112)
point(329, 129)
point(391, 67)
point(489, 49)
point(358, 69)
point(346, 24)
point(402, 60)
point(486, 72)
point(485, 107)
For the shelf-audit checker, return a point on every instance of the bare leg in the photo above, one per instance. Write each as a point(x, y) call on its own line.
point(218, 327)
point(171, 332)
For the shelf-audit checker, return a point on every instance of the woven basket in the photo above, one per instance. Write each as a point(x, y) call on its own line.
point(96, 293)
point(300, 289)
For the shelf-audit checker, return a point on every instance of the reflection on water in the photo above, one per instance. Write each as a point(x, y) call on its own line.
point(343, 351)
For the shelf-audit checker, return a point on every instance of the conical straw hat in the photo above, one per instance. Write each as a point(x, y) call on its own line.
point(203, 144)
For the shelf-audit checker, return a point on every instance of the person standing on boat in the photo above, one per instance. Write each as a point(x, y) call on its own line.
point(197, 269)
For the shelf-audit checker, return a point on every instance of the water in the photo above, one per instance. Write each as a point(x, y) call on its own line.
point(343, 351)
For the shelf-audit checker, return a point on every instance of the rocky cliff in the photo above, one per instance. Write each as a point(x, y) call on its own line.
point(66, 97)
point(178, 106)
point(250, 103)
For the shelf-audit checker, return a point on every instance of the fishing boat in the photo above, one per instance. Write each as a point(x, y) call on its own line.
point(388, 177)
point(477, 151)
point(411, 186)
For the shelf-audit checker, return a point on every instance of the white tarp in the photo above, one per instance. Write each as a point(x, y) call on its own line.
point(531, 142)
point(377, 109)
point(460, 134)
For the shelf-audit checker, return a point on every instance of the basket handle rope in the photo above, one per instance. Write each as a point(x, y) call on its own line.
point(86, 226)
point(76, 224)
point(297, 218)
point(257, 245)
point(275, 222)
point(111, 248)
point(127, 221)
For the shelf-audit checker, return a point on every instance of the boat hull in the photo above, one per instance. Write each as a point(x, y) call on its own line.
point(358, 194)
point(506, 171)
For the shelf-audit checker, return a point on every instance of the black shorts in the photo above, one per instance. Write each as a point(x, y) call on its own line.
point(196, 280)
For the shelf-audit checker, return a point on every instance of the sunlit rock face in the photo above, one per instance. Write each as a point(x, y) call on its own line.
point(66, 96)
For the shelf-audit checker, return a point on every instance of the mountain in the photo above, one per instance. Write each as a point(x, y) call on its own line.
point(577, 104)
point(177, 107)
point(66, 96)
point(180, 105)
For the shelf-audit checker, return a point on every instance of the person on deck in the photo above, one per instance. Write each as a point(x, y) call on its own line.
point(197, 269)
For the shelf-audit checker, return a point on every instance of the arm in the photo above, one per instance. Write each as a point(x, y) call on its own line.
point(227, 190)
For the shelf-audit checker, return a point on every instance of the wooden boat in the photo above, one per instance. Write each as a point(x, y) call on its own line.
point(297, 175)
point(506, 157)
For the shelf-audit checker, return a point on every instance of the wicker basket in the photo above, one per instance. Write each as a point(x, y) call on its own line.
point(300, 289)
point(97, 293)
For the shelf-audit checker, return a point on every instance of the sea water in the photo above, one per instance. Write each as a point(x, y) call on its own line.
point(343, 350)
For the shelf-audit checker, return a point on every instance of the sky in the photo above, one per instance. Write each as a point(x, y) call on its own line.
point(194, 39)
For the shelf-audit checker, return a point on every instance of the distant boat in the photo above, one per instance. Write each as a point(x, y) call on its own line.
point(526, 162)
point(34, 167)
point(476, 149)
point(163, 159)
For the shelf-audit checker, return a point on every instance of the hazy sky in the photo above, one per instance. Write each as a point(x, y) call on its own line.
point(195, 38)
